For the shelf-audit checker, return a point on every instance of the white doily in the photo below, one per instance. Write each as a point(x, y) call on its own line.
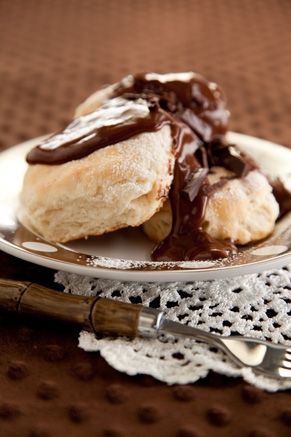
point(257, 305)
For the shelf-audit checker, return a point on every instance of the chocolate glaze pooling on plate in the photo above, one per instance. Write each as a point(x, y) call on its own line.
point(196, 112)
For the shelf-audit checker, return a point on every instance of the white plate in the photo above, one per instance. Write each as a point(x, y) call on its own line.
point(125, 255)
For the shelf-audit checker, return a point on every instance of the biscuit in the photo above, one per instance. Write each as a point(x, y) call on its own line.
point(243, 210)
point(113, 166)
point(117, 186)
point(99, 97)
point(95, 100)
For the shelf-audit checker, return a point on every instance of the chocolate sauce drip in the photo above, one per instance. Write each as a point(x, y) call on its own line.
point(189, 196)
point(196, 113)
point(198, 103)
point(99, 138)
point(282, 195)
point(230, 157)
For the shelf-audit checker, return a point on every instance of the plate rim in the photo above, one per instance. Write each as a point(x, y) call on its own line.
point(109, 272)
point(133, 273)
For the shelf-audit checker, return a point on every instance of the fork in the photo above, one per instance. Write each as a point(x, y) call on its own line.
point(261, 356)
point(107, 316)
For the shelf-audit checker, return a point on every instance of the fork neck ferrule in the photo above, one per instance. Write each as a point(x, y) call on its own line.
point(149, 323)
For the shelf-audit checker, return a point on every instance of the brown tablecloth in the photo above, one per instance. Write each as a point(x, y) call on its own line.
point(53, 53)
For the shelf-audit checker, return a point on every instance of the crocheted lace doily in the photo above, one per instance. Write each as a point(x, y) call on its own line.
point(257, 305)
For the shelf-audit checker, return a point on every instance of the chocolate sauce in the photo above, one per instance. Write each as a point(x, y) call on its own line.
point(196, 113)
point(282, 195)
point(198, 103)
point(99, 138)
point(230, 157)
point(189, 196)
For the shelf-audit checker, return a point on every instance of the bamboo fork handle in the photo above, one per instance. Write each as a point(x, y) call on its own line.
point(97, 314)
point(10, 294)
point(46, 303)
point(113, 317)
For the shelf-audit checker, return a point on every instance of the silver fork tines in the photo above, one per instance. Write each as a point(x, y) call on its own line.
point(262, 357)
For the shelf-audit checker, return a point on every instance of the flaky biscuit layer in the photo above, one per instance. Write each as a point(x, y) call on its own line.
point(114, 187)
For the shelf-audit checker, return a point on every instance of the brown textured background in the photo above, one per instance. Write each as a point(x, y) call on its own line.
point(53, 53)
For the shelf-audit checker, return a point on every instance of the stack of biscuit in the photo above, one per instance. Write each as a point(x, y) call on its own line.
point(113, 167)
